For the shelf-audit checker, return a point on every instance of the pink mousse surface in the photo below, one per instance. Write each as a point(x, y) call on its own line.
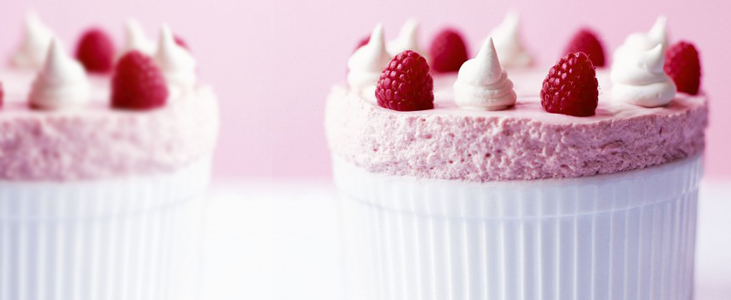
point(95, 141)
point(521, 143)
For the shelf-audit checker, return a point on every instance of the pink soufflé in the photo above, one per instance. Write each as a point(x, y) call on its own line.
point(98, 142)
point(521, 143)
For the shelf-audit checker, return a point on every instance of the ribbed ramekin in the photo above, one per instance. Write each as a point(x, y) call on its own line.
point(628, 235)
point(134, 238)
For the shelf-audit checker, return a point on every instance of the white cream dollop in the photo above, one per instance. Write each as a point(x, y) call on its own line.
point(642, 41)
point(136, 39)
point(367, 63)
point(482, 84)
point(408, 39)
point(176, 63)
point(62, 83)
point(640, 79)
point(508, 44)
point(34, 47)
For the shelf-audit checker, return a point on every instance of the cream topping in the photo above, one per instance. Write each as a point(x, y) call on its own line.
point(36, 39)
point(177, 64)
point(639, 79)
point(61, 84)
point(482, 84)
point(408, 39)
point(136, 39)
point(367, 63)
point(642, 41)
point(508, 44)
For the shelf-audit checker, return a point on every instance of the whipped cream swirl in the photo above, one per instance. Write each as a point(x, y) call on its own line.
point(639, 79)
point(367, 63)
point(482, 84)
point(508, 43)
point(136, 39)
point(642, 41)
point(32, 51)
point(62, 83)
point(408, 39)
point(176, 63)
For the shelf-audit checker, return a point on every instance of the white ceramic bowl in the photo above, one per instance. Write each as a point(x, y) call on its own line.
point(133, 238)
point(629, 235)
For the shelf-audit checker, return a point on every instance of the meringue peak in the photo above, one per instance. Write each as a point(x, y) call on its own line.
point(176, 63)
point(57, 61)
point(647, 40)
point(408, 39)
point(508, 44)
point(409, 29)
point(482, 84)
point(487, 59)
point(654, 59)
point(33, 23)
point(367, 63)
point(170, 55)
point(34, 47)
point(638, 78)
point(511, 23)
point(377, 42)
point(136, 39)
point(61, 83)
point(372, 56)
point(658, 32)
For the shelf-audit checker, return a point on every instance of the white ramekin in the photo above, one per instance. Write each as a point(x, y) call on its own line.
point(135, 238)
point(629, 235)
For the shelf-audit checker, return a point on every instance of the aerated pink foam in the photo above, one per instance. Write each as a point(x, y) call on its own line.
point(521, 143)
point(98, 142)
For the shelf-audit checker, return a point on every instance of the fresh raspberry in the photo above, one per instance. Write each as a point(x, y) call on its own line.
point(571, 87)
point(137, 83)
point(364, 41)
point(406, 84)
point(181, 42)
point(96, 51)
point(586, 41)
point(448, 51)
point(683, 65)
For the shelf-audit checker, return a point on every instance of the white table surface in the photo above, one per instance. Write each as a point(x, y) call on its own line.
point(268, 240)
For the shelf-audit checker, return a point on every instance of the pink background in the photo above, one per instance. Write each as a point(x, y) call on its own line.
point(273, 62)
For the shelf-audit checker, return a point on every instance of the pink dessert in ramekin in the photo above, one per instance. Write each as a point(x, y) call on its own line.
point(515, 203)
point(100, 186)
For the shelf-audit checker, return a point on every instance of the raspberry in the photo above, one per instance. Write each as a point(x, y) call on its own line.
point(364, 41)
point(586, 41)
point(683, 65)
point(137, 83)
point(95, 51)
point(448, 51)
point(571, 87)
point(181, 42)
point(405, 84)
point(2, 94)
